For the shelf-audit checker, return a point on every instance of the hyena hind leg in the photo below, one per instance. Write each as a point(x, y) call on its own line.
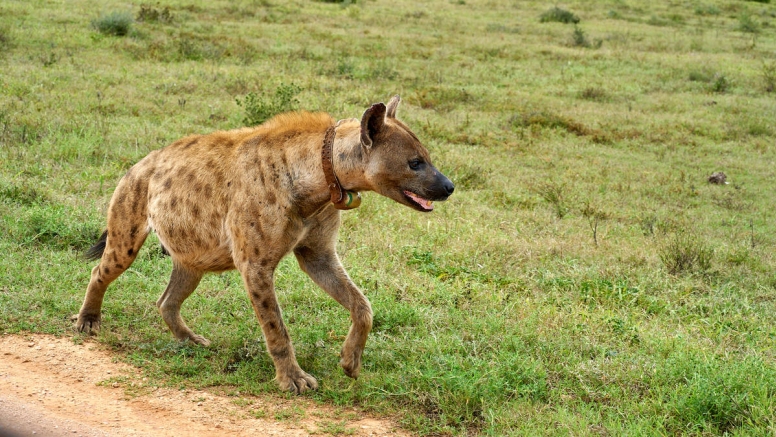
point(117, 251)
point(183, 282)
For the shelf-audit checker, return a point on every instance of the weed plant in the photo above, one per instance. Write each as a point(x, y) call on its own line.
point(579, 39)
point(686, 253)
point(558, 15)
point(152, 14)
point(116, 23)
point(584, 279)
point(259, 109)
point(769, 76)
point(747, 24)
point(6, 38)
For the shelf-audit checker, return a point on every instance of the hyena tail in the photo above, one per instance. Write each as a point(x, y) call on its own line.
point(95, 252)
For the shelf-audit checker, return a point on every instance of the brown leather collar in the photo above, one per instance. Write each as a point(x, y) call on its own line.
point(341, 198)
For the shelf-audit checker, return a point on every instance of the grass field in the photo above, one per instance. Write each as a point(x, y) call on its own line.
point(584, 279)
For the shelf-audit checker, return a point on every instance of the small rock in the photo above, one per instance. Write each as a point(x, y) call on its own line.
point(718, 178)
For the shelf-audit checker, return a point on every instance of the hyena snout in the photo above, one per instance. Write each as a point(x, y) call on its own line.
point(441, 188)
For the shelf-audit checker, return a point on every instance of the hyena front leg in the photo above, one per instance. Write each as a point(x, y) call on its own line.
point(324, 267)
point(260, 286)
point(183, 282)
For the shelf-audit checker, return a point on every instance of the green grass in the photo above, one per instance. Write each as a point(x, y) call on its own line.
point(584, 279)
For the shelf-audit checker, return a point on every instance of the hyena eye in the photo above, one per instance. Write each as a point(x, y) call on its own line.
point(416, 164)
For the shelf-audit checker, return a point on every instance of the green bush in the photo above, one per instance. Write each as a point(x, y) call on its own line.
point(151, 14)
point(579, 39)
point(116, 23)
point(6, 39)
point(686, 253)
point(720, 83)
point(747, 24)
point(769, 76)
point(260, 109)
point(558, 15)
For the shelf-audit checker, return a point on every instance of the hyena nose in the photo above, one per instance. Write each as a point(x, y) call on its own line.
point(449, 187)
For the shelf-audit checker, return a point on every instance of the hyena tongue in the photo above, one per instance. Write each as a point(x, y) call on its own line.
point(424, 203)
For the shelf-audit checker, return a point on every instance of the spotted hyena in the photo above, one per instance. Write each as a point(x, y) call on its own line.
point(246, 198)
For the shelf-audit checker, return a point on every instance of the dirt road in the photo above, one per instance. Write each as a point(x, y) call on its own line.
point(52, 387)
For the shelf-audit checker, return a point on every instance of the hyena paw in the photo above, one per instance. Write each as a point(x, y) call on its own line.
point(87, 323)
point(198, 339)
point(297, 382)
point(351, 363)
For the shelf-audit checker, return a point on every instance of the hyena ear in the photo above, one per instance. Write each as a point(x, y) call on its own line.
point(392, 105)
point(371, 123)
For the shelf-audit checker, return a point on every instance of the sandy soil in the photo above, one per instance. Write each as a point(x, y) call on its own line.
point(52, 387)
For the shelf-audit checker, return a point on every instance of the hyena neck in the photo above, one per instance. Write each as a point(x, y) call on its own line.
point(347, 156)
point(311, 192)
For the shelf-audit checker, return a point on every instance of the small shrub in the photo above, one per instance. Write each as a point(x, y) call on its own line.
point(259, 110)
point(6, 39)
point(747, 24)
point(555, 195)
point(769, 76)
point(686, 253)
point(150, 14)
point(49, 59)
point(595, 94)
point(720, 84)
point(558, 15)
point(116, 23)
point(579, 39)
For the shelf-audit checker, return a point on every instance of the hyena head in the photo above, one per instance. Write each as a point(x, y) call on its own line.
point(397, 164)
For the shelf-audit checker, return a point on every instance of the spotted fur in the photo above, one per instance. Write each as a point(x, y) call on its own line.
point(246, 198)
